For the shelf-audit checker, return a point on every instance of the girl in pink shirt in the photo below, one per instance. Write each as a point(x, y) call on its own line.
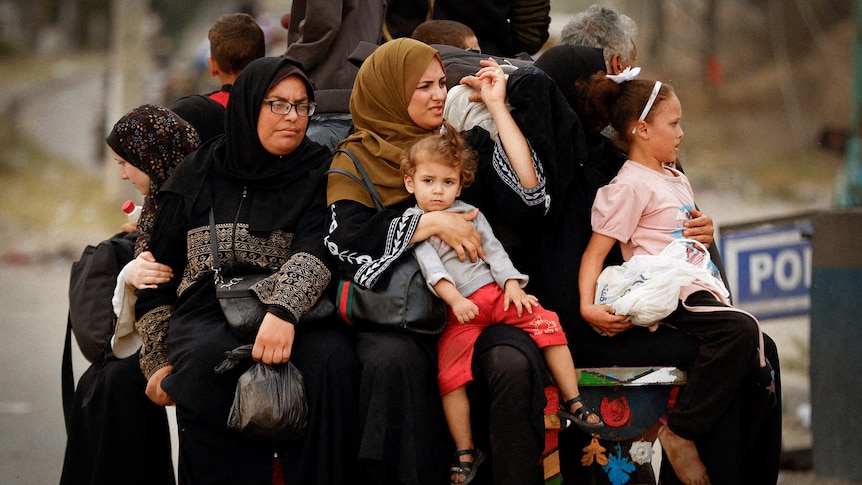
point(643, 209)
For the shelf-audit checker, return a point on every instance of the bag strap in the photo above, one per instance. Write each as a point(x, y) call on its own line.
point(365, 181)
point(214, 248)
point(67, 380)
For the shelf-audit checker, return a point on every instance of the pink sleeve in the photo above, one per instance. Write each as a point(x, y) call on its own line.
point(616, 211)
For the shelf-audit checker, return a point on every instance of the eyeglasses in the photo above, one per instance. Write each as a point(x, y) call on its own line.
point(281, 107)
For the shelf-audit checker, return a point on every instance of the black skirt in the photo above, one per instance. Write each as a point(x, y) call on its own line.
point(210, 453)
point(116, 434)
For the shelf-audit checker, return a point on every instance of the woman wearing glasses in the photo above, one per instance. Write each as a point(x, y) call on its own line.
point(264, 183)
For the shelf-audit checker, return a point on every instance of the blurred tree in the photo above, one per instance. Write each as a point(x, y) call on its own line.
point(82, 24)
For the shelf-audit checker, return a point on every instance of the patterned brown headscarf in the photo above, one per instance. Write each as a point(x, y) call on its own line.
point(382, 127)
point(154, 140)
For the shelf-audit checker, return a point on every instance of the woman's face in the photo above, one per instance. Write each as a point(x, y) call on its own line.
point(281, 134)
point(129, 172)
point(426, 104)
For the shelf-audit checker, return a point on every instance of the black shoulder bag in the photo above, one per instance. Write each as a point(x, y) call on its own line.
point(404, 303)
point(241, 307)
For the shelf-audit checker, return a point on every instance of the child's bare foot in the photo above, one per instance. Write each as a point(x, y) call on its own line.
point(683, 457)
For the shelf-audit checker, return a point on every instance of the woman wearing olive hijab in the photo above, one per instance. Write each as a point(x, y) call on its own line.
point(397, 98)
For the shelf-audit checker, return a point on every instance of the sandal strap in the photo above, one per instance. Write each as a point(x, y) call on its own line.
point(582, 413)
point(467, 468)
point(568, 404)
point(474, 452)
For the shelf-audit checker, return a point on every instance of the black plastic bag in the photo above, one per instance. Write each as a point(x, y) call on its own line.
point(269, 403)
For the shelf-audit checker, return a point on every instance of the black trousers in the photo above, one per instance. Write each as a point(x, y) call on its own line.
point(507, 407)
point(737, 430)
point(405, 439)
point(728, 351)
point(210, 453)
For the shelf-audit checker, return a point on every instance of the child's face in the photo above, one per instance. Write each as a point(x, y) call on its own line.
point(666, 131)
point(434, 184)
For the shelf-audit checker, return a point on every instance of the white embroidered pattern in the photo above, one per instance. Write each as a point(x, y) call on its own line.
point(398, 237)
point(503, 167)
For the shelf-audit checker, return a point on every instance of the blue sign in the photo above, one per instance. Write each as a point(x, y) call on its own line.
point(768, 267)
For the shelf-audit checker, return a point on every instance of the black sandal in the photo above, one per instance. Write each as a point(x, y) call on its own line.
point(466, 468)
point(580, 415)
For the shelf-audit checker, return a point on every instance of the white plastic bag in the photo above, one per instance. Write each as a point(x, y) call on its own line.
point(646, 287)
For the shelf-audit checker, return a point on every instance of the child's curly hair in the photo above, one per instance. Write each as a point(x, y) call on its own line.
point(447, 147)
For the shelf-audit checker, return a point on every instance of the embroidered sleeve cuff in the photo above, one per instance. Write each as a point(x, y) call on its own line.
point(153, 327)
point(401, 230)
point(296, 286)
point(531, 196)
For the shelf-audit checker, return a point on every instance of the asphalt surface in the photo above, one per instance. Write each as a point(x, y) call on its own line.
point(34, 301)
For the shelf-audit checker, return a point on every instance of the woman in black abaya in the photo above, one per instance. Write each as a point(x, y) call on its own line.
point(265, 183)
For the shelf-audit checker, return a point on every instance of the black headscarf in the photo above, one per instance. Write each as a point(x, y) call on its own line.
point(202, 112)
point(568, 64)
point(238, 158)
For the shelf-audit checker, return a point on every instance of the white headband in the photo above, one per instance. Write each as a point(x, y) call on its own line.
point(649, 104)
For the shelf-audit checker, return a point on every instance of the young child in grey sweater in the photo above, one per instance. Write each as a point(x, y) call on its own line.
point(480, 294)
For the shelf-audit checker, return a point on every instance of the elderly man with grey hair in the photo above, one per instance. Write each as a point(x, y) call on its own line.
point(605, 29)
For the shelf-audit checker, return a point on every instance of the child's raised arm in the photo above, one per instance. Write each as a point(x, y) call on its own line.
point(490, 82)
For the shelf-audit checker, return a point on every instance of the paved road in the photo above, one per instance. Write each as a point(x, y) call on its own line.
point(34, 301)
point(32, 321)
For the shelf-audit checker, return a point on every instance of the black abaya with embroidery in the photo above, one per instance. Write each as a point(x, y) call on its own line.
point(270, 215)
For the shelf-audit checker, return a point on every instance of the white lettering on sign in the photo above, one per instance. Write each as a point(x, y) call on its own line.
point(790, 268)
point(760, 269)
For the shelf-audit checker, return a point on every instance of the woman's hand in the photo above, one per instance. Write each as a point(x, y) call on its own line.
point(454, 229)
point(699, 228)
point(489, 83)
point(489, 86)
point(154, 387)
point(274, 340)
point(603, 319)
point(129, 227)
point(144, 272)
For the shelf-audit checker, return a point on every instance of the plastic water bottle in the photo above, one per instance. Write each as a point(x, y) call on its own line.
point(132, 210)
